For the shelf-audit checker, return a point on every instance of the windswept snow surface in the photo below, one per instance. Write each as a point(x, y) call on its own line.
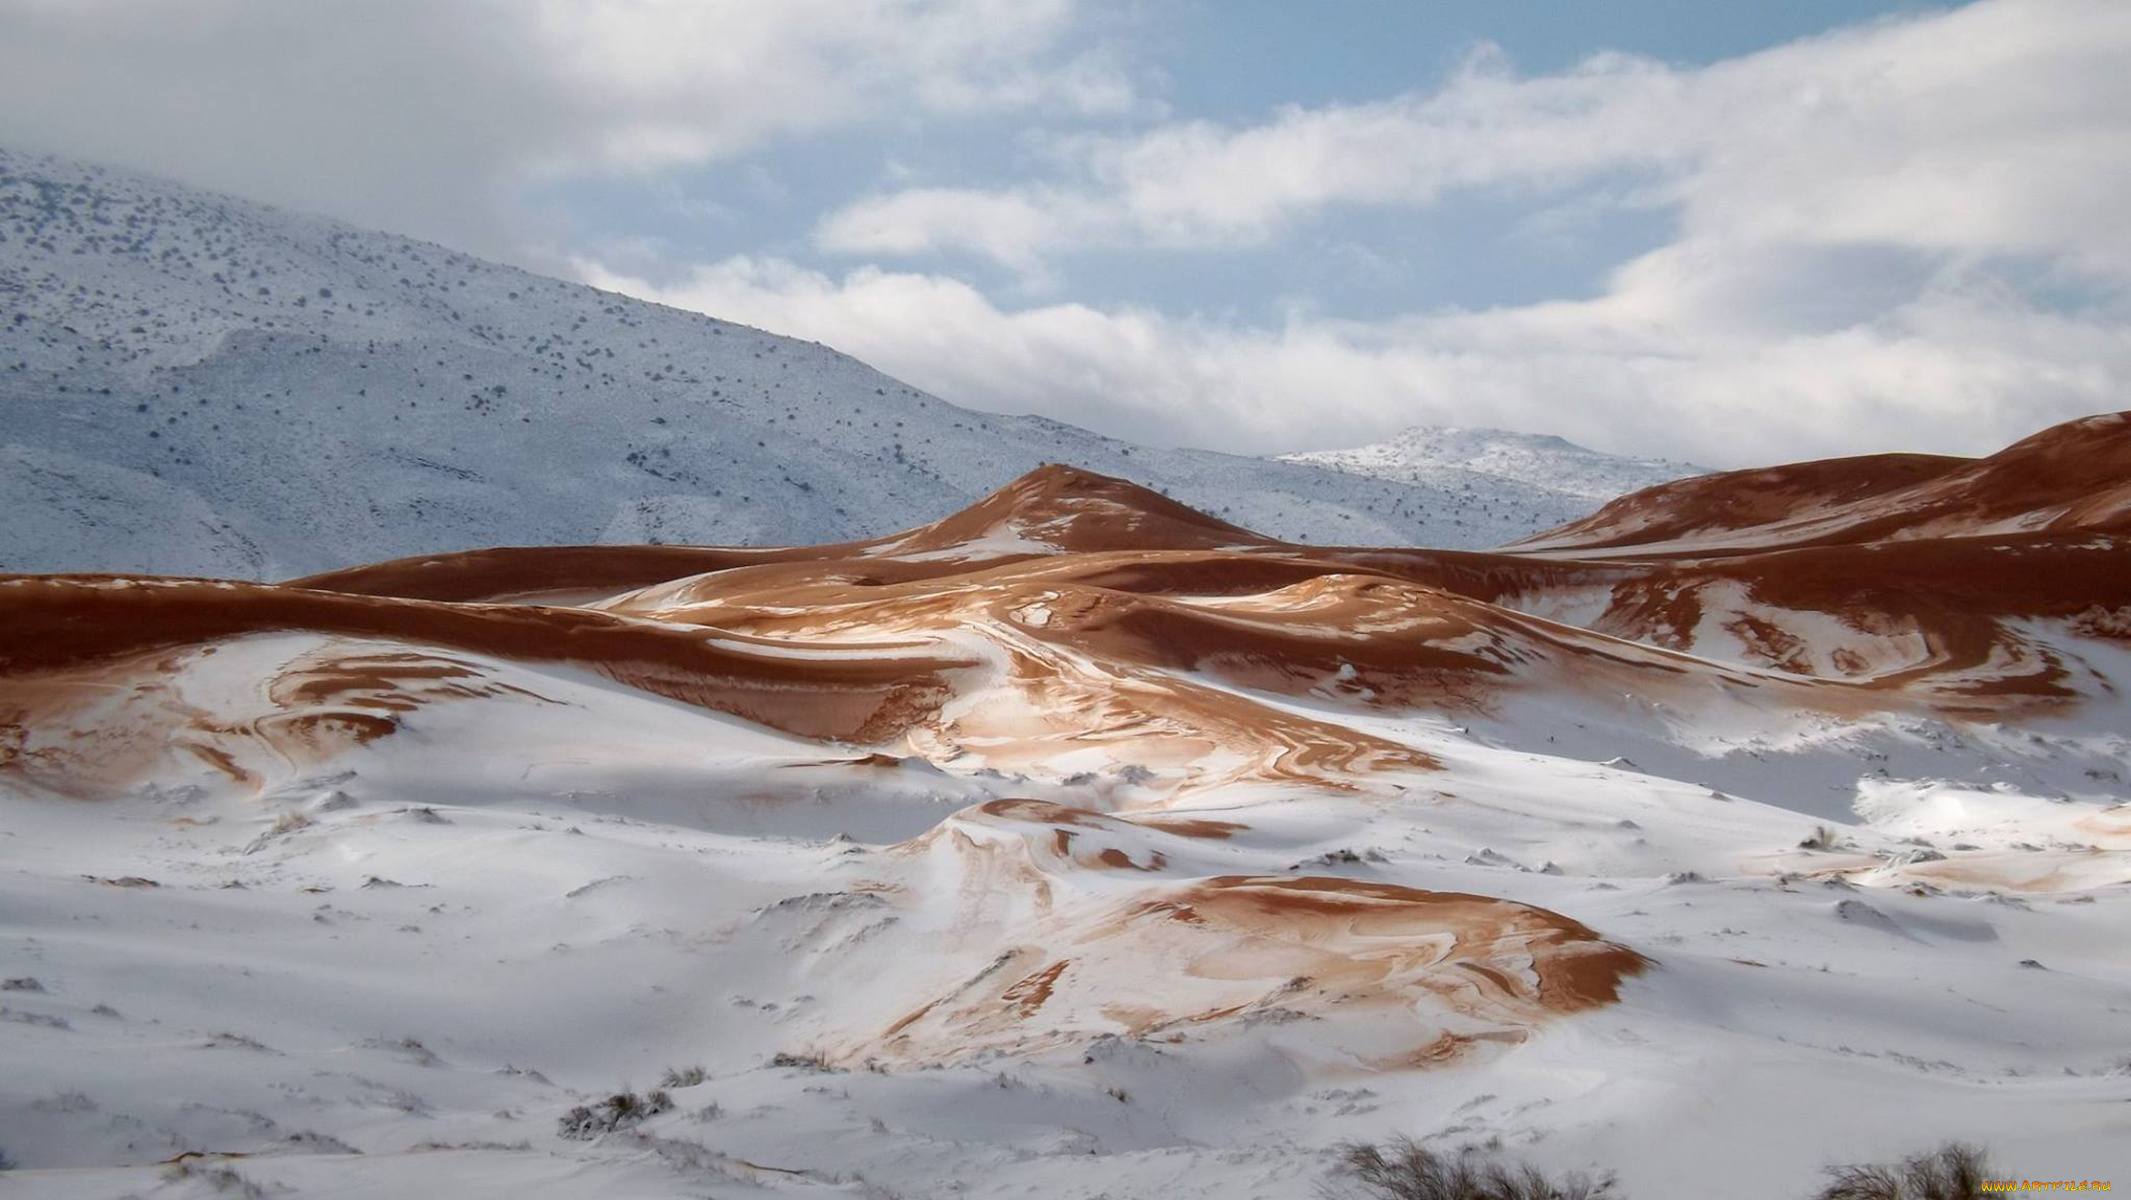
point(195, 384)
point(1075, 845)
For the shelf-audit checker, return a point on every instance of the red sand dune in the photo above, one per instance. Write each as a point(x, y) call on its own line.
point(1390, 962)
point(60, 623)
point(1119, 617)
point(2069, 478)
point(1052, 508)
point(1075, 618)
point(71, 642)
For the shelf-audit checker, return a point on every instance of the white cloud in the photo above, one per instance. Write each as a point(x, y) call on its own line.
point(1019, 230)
point(424, 116)
point(1902, 235)
point(1997, 128)
point(1907, 234)
point(1960, 367)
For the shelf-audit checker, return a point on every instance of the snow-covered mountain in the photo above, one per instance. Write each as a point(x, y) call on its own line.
point(1448, 457)
point(195, 384)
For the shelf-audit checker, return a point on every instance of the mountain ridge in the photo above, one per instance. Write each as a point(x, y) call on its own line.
point(196, 384)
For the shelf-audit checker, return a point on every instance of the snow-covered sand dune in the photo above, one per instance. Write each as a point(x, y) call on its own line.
point(1081, 844)
point(2071, 477)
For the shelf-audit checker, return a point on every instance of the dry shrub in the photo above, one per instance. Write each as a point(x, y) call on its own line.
point(1406, 1170)
point(1954, 1171)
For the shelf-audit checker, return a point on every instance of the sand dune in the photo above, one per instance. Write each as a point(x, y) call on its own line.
point(1082, 781)
point(1072, 616)
point(2069, 478)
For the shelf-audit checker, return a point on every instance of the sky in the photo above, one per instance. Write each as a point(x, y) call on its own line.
point(1725, 231)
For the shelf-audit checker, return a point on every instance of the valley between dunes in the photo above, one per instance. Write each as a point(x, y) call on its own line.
point(1080, 844)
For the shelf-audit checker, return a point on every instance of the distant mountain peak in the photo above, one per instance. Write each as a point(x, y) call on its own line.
point(1423, 453)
